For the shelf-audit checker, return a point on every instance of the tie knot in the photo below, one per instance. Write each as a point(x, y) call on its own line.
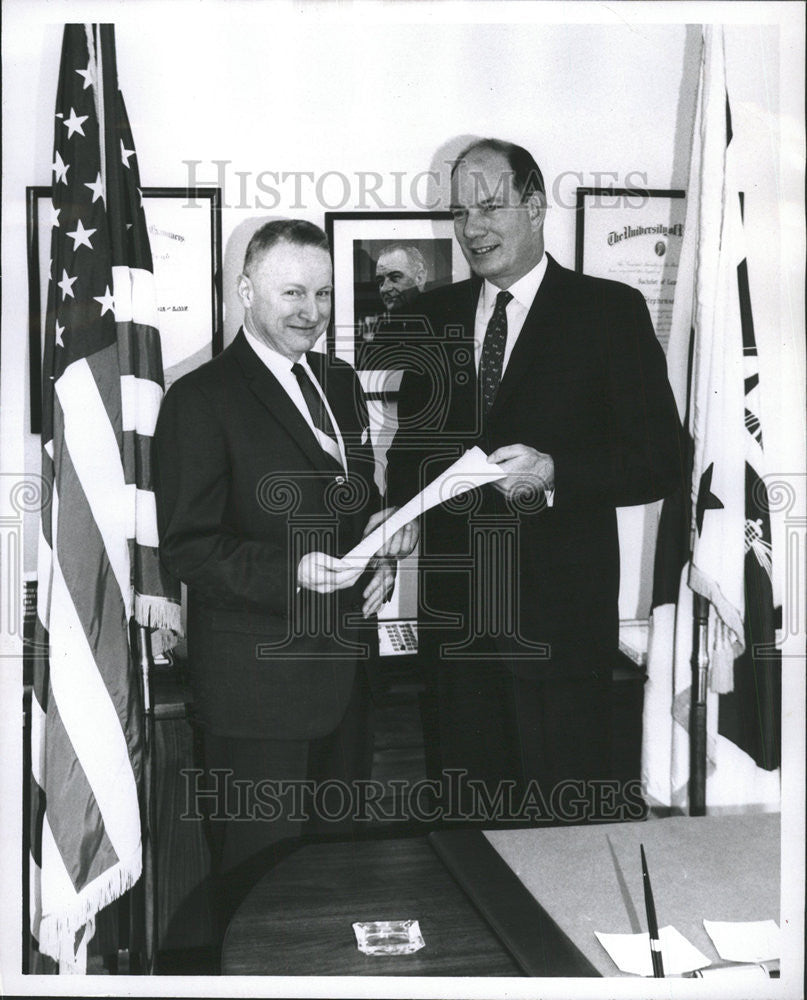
point(298, 370)
point(502, 299)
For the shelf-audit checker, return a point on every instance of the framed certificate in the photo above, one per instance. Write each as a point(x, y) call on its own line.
point(633, 236)
point(184, 226)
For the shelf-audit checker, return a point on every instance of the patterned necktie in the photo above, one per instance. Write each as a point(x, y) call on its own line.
point(314, 402)
point(492, 357)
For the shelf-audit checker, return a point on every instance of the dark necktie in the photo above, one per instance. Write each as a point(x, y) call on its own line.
point(492, 357)
point(314, 402)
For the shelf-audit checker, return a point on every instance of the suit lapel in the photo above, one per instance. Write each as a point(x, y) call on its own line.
point(535, 337)
point(462, 315)
point(263, 384)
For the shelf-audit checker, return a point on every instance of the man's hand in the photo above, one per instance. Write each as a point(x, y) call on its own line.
point(400, 544)
point(528, 470)
point(325, 574)
point(378, 590)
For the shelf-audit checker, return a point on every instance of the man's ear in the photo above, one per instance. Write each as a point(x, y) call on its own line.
point(536, 206)
point(244, 288)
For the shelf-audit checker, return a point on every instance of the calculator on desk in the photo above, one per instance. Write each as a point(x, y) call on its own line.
point(398, 638)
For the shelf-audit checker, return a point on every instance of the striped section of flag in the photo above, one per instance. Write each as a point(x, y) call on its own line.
point(716, 542)
point(98, 565)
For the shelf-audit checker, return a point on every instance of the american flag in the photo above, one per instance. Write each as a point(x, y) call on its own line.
point(717, 541)
point(98, 565)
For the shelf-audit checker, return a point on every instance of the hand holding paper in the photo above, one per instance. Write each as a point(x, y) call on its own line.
point(399, 544)
point(325, 574)
point(467, 473)
point(526, 470)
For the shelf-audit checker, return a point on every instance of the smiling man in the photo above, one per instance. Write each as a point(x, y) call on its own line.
point(265, 474)
point(559, 378)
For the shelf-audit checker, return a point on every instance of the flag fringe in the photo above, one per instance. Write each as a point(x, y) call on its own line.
point(157, 612)
point(56, 933)
point(725, 610)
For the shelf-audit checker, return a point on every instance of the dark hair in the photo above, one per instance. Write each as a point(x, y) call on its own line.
point(527, 176)
point(295, 231)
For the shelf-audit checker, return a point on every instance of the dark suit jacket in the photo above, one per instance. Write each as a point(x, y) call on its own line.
point(243, 492)
point(587, 384)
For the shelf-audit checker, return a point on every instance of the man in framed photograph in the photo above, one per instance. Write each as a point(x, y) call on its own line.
point(559, 378)
point(401, 275)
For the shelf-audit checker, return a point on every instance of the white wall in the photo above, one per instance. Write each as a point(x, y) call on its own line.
point(330, 88)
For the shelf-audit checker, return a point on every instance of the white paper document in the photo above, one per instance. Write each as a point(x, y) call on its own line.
point(745, 940)
point(467, 473)
point(631, 952)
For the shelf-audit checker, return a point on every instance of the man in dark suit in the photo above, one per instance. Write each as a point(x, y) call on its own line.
point(265, 476)
point(401, 276)
point(560, 379)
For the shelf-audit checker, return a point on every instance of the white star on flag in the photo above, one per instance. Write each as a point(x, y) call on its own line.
point(81, 236)
point(74, 123)
point(61, 168)
point(106, 301)
point(125, 154)
point(87, 74)
point(66, 285)
point(59, 332)
point(54, 215)
point(97, 188)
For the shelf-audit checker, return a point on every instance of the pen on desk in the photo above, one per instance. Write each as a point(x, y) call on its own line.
point(652, 926)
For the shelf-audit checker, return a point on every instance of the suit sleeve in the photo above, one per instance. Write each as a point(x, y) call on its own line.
point(639, 457)
point(192, 479)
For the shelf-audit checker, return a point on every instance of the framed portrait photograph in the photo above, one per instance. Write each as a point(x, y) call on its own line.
point(383, 262)
point(633, 236)
point(184, 227)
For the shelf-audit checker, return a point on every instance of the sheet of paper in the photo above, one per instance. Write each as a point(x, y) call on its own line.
point(631, 952)
point(467, 473)
point(745, 941)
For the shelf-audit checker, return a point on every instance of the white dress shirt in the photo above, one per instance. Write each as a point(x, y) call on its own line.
point(280, 367)
point(523, 291)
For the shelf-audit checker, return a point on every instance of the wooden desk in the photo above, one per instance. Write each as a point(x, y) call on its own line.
point(588, 878)
point(298, 919)
point(572, 881)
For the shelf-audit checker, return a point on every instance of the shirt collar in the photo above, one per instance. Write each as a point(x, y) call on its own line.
point(523, 291)
point(273, 360)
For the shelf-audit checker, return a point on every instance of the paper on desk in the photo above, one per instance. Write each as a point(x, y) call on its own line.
point(631, 952)
point(745, 940)
point(467, 473)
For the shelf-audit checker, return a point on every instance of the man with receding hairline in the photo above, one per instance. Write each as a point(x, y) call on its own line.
point(559, 378)
point(401, 275)
point(265, 477)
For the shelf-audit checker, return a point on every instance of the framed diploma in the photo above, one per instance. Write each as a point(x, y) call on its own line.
point(184, 226)
point(633, 236)
point(382, 262)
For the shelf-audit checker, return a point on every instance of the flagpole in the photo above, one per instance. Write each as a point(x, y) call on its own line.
point(697, 721)
point(149, 797)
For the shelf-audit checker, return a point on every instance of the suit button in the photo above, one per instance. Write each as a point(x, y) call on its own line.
point(339, 480)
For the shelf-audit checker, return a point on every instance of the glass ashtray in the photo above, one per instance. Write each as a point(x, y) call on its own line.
point(389, 937)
